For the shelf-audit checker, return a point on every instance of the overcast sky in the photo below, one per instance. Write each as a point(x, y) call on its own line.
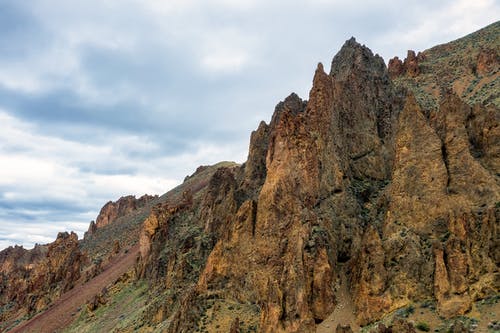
point(103, 98)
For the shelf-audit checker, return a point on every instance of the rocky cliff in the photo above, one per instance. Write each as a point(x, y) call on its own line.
point(379, 191)
point(396, 187)
point(113, 210)
point(32, 279)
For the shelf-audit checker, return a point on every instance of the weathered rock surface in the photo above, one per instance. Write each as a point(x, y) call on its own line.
point(361, 175)
point(343, 329)
point(409, 67)
point(488, 60)
point(32, 279)
point(123, 206)
point(398, 326)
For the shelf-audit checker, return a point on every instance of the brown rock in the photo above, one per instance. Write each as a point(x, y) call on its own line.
point(92, 229)
point(381, 328)
point(398, 326)
point(235, 326)
point(409, 67)
point(371, 296)
point(488, 60)
point(116, 247)
point(483, 129)
point(419, 176)
point(396, 67)
point(411, 64)
point(402, 326)
point(458, 327)
point(351, 178)
point(123, 206)
point(255, 166)
point(32, 279)
point(343, 329)
point(97, 300)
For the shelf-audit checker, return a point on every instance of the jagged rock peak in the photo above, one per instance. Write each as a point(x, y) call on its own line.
point(410, 66)
point(65, 235)
point(293, 104)
point(354, 57)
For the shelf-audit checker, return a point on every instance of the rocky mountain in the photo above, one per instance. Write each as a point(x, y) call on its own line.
point(33, 279)
point(378, 194)
point(122, 207)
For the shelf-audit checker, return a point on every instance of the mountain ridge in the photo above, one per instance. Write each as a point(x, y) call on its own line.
point(386, 180)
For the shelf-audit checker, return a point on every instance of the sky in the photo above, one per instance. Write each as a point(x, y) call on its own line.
point(105, 98)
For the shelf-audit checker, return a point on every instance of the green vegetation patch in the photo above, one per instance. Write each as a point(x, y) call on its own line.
point(123, 310)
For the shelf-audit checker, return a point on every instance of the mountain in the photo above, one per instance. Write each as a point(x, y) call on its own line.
point(377, 196)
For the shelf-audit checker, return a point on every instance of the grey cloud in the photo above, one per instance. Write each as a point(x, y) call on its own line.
point(21, 31)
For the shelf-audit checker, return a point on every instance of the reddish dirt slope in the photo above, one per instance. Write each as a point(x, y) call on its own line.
point(60, 314)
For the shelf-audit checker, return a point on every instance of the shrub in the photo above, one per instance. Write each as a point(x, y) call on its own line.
point(422, 326)
point(405, 312)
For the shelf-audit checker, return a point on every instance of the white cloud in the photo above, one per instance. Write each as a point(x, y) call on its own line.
point(29, 233)
point(224, 60)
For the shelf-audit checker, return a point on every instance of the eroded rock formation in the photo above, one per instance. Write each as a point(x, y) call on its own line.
point(32, 279)
point(123, 206)
point(358, 176)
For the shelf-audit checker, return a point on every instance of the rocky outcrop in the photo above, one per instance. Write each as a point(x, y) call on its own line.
point(488, 60)
point(123, 206)
point(409, 67)
point(254, 168)
point(32, 279)
point(235, 326)
point(284, 234)
point(396, 67)
point(468, 66)
point(358, 176)
point(398, 326)
point(343, 329)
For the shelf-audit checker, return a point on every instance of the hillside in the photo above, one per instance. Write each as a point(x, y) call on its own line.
point(374, 206)
point(34, 280)
point(467, 66)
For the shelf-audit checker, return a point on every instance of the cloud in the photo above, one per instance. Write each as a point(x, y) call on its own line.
point(100, 99)
point(51, 181)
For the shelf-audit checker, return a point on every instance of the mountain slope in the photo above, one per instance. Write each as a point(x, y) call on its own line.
point(32, 280)
point(468, 66)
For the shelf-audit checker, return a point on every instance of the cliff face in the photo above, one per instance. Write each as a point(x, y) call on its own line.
point(32, 279)
point(362, 179)
point(111, 211)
